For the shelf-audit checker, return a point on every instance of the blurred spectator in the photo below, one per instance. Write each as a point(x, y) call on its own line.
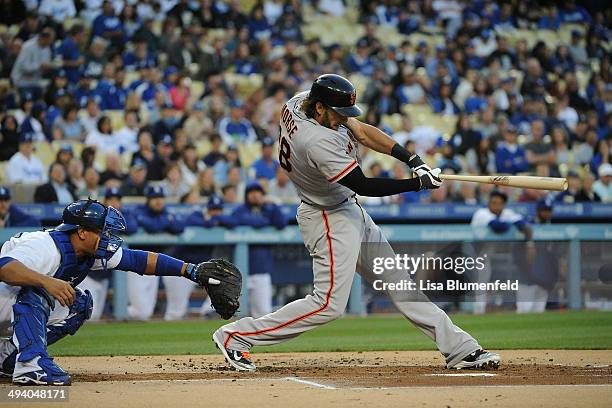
point(103, 139)
point(97, 282)
point(167, 123)
point(281, 189)
point(68, 126)
point(510, 157)
point(64, 155)
point(190, 165)
point(163, 156)
point(57, 10)
point(92, 184)
point(211, 216)
point(10, 215)
point(57, 190)
point(91, 117)
point(180, 92)
point(145, 151)
point(266, 166)
point(333, 7)
point(206, 183)
point(74, 172)
point(173, 184)
point(235, 178)
point(108, 26)
point(229, 194)
point(33, 62)
point(235, 128)
point(24, 166)
point(72, 61)
point(113, 169)
point(136, 180)
point(603, 186)
point(198, 125)
point(35, 123)
point(385, 102)
point(424, 137)
point(538, 151)
point(587, 193)
point(574, 185)
point(481, 160)
point(127, 136)
point(464, 138)
point(361, 61)
point(577, 49)
point(154, 217)
point(9, 142)
point(214, 155)
point(257, 212)
point(410, 90)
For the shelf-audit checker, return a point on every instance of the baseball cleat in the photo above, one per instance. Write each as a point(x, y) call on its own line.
point(239, 360)
point(479, 360)
point(49, 374)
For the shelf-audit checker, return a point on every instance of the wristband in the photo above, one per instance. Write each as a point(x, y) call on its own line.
point(400, 153)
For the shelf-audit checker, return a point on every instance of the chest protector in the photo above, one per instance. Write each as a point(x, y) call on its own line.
point(70, 270)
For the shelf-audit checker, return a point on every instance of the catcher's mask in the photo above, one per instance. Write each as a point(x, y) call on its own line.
point(95, 216)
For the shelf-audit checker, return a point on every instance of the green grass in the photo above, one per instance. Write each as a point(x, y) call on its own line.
point(554, 330)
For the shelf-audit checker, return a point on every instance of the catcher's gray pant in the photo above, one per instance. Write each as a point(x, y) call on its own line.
point(341, 241)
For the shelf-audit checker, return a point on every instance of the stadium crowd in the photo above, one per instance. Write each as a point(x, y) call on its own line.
point(186, 94)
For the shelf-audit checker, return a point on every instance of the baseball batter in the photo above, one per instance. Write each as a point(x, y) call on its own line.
point(318, 150)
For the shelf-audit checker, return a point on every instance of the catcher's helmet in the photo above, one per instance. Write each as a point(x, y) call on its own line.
point(336, 92)
point(95, 216)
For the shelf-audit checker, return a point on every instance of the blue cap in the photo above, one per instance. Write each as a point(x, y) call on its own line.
point(138, 162)
point(26, 137)
point(267, 141)
point(545, 203)
point(573, 173)
point(113, 192)
point(155, 192)
point(252, 186)
point(362, 43)
point(28, 96)
point(440, 47)
point(167, 105)
point(539, 82)
point(61, 73)
point(576, 33)
point(236, 103)
point(5, 193)
point(166, 139)
point(59, 93)
point(214, 203)
point(66, 148)
point(511, 128)
point(170, 70)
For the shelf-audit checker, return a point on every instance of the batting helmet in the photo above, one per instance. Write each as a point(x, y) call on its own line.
point(336, 92)
point(95, 216)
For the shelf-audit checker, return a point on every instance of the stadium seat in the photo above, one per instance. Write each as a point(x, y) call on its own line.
point(116, 117)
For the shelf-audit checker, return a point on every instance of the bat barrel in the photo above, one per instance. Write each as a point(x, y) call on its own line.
point(538, 183)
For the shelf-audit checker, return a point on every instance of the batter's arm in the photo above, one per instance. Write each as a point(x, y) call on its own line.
point(14, 273)
point(378, 186)
point(370, 136)
point(377, 140)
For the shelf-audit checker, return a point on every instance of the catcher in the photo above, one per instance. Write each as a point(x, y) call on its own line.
point(86, 240)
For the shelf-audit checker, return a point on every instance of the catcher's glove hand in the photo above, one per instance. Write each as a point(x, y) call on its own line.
point(223, 282)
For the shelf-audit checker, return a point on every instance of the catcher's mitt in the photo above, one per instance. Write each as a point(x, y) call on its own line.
point(223, 282)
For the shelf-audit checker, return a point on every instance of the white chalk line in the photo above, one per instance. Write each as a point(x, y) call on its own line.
point(311, 383)
point(462, 375)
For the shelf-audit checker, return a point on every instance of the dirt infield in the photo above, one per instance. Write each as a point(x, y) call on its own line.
point(527, 378)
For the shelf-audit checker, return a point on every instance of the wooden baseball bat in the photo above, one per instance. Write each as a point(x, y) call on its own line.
point(538, 183)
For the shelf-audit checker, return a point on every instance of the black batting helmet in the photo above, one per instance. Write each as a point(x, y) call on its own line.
point(336, 92)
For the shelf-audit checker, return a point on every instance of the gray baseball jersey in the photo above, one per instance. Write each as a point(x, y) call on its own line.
point(314, 156)
point(342, 239)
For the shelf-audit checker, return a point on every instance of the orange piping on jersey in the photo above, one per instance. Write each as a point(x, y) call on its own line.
point(314, 312)
point(343, 172)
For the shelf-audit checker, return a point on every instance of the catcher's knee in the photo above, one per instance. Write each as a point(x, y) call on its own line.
point(79, 311)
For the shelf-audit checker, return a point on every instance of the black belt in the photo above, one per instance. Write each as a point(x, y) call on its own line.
point(331, 207)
